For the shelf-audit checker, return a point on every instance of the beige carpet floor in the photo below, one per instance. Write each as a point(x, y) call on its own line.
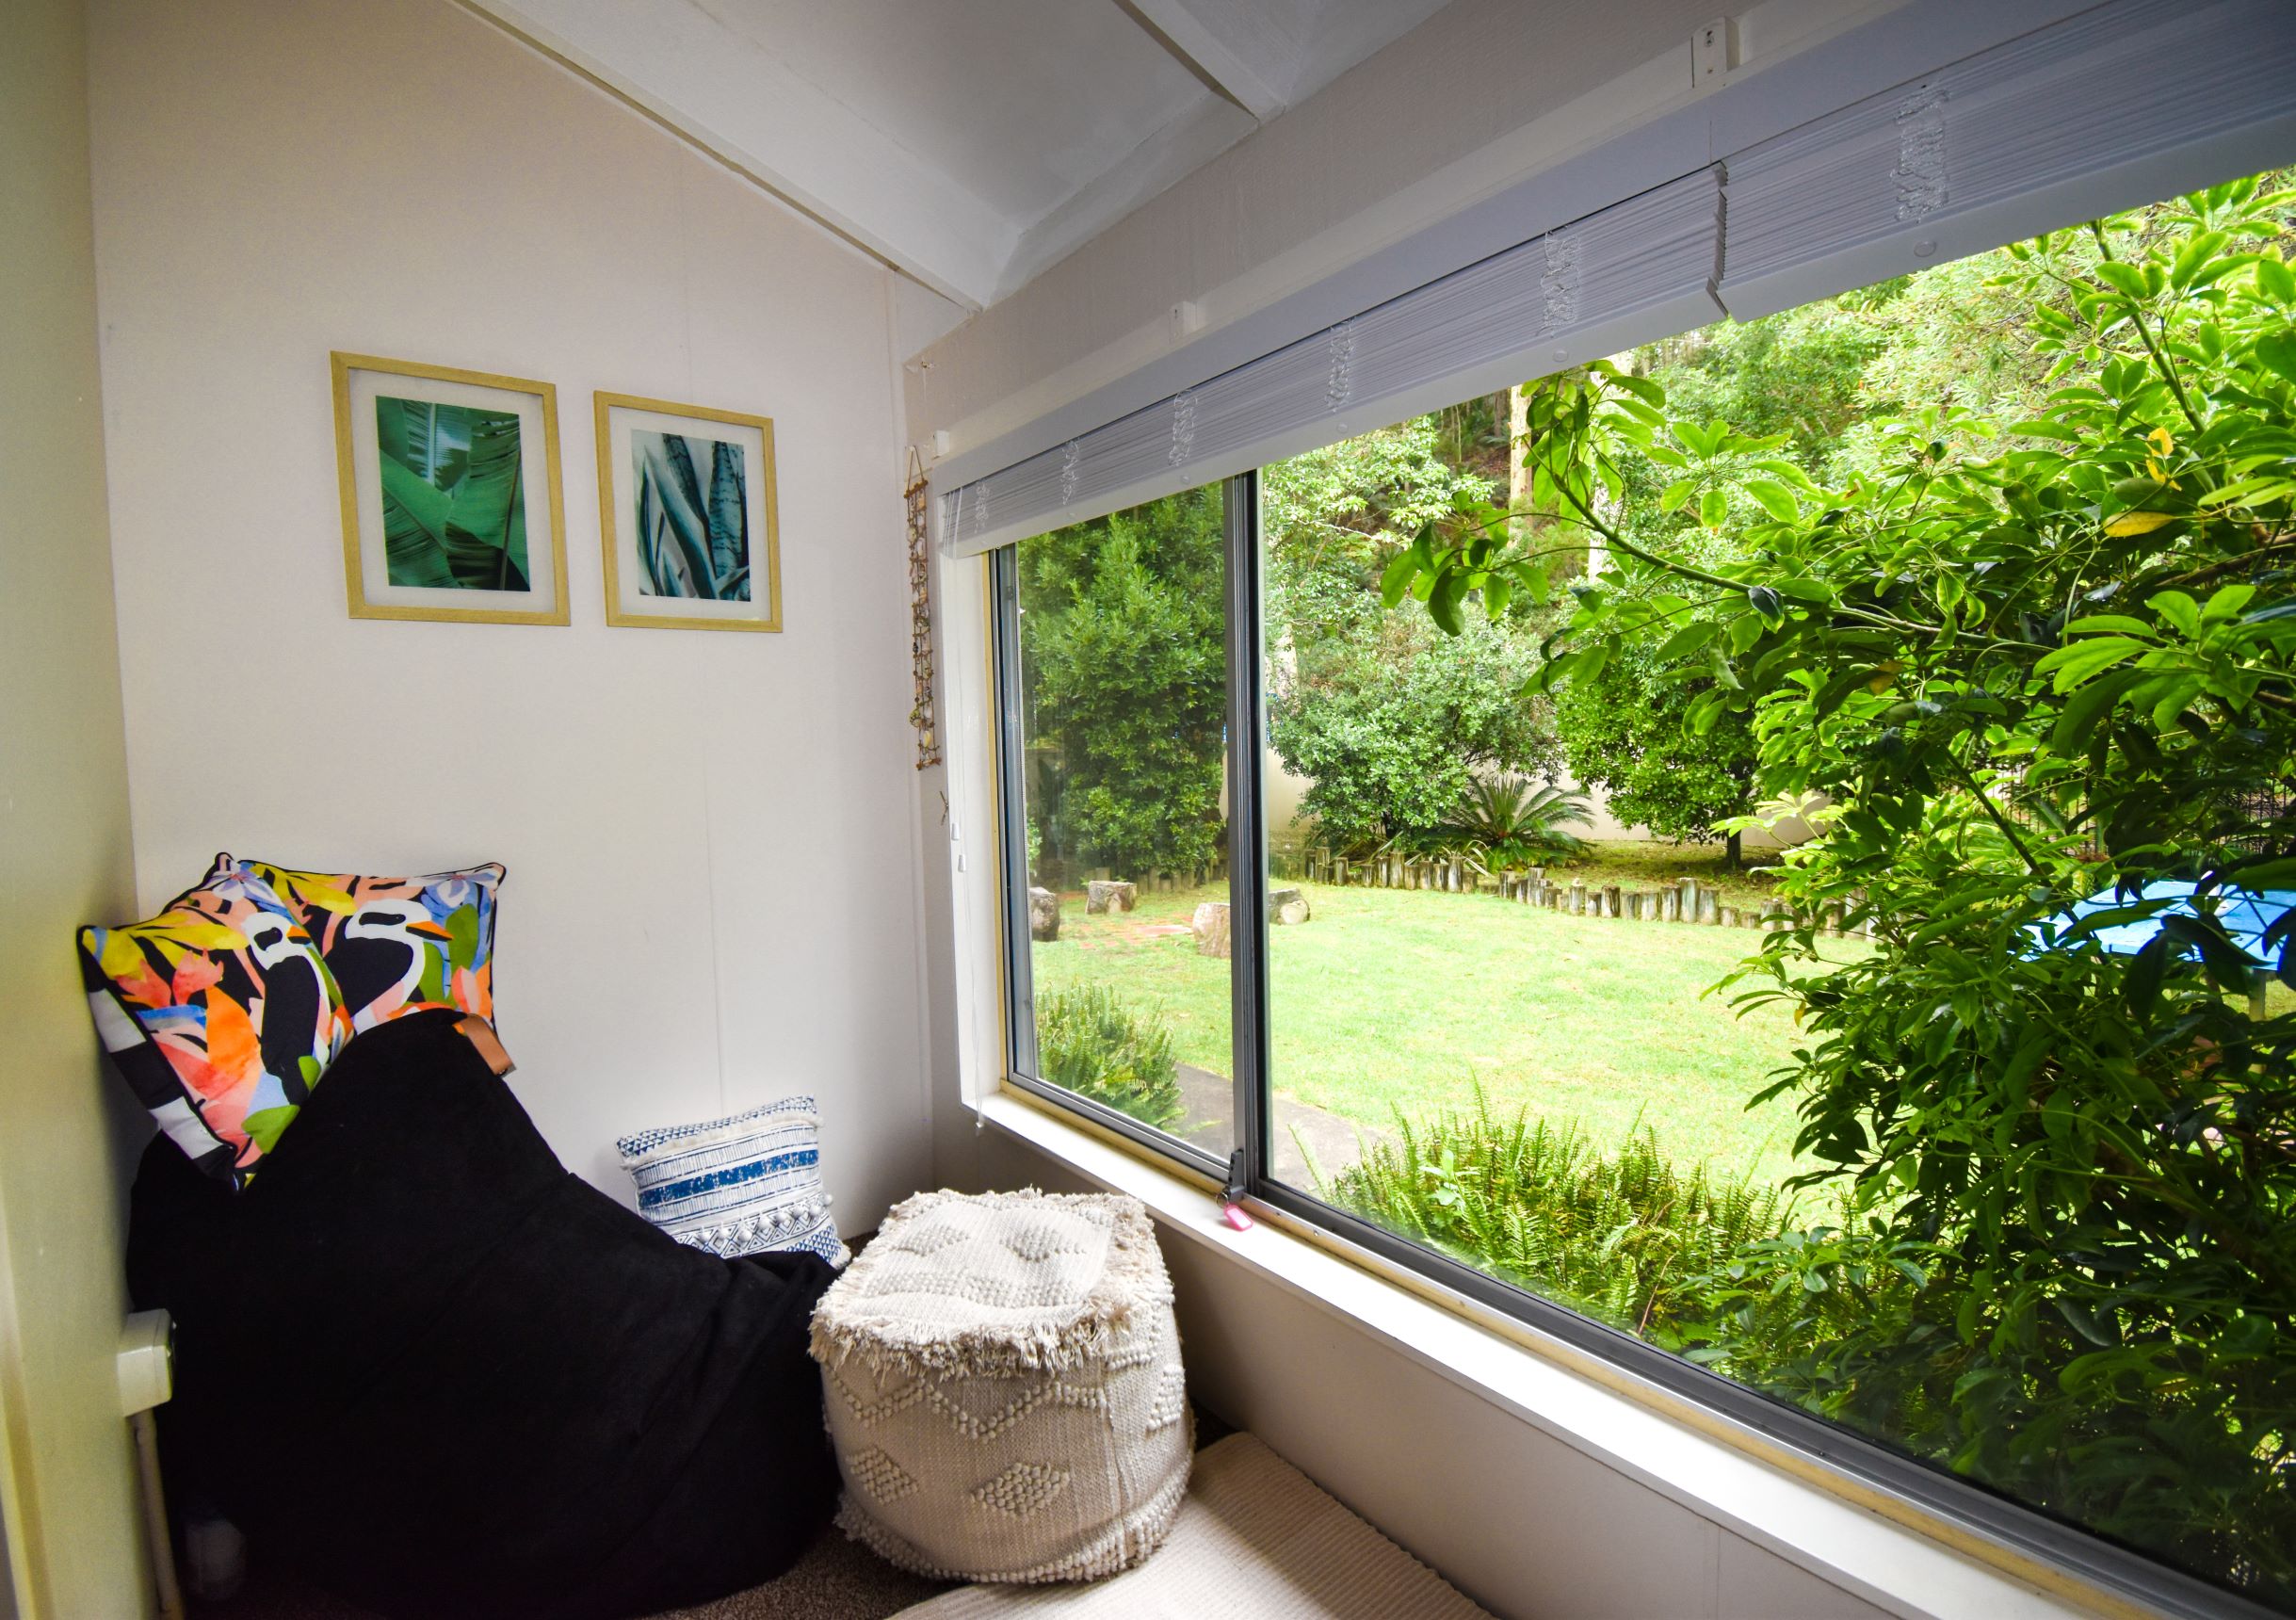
point(836, 1579)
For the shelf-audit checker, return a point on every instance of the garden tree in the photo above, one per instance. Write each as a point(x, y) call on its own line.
point(1396, 728)
point(1623, 731)
point(1796, 381)
point(1800, 373)
point(2027, 661)
point(1122, 635)
point(1391, 721)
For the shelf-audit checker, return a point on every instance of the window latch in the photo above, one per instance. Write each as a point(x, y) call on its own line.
point(1232, 1195)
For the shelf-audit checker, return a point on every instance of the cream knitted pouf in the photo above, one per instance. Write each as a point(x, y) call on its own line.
point(1003, 1382)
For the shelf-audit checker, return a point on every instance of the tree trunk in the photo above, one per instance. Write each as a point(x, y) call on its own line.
point(1518, 476)
point(1734, 851)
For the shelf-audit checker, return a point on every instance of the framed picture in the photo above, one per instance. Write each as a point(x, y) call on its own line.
point(686, 502)
point(451, 503)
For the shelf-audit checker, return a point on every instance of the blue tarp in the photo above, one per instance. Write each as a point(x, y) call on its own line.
point(2245, 916)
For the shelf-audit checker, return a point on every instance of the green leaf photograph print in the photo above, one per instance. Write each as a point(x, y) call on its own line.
point(693, 517)
point(454, 507)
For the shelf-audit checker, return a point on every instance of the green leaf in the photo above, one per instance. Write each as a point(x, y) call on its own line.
point(2225, 602)
point(1443, 602)
point(2180, 610)
point(2085, 660)
point(1713, 508)
point(1775, 498)
point(2275, 280)
point(2278, 350)
point(1689, 640)
point(2194, 257)
point(2177, 694)
point(2084, 708)
point(1397, 577)
point(2273, 874)
point(2124, 279)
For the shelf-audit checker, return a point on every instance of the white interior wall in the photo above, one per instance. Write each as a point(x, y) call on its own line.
point(69, 1538)
point(711, 899)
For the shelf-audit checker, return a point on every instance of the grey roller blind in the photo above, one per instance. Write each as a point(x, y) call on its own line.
point(2118, 106)
point(1638, 271)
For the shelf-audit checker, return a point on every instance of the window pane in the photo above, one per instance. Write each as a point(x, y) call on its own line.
point(2005, 1194)
point(1123, 652)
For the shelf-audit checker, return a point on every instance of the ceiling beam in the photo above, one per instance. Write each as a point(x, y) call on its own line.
point(679, 66)
point(1181, 26)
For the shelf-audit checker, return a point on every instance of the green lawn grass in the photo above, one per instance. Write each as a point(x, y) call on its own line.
point(1400, 998)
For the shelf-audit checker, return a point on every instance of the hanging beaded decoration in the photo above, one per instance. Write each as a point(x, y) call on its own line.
point(920, 618)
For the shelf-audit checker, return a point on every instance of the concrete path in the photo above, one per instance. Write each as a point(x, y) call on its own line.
point(1335, 1142)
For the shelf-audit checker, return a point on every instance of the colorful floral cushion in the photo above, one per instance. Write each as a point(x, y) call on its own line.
point(397, 945)
point(221, 1015)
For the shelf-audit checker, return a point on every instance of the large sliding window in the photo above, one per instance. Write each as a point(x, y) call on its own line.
point(1326, 878)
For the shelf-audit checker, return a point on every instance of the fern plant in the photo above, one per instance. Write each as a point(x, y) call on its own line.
point(1626, 1238)
point(1088, 1041)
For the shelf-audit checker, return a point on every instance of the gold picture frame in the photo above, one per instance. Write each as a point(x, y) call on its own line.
point(682, 546)
point(460, 436)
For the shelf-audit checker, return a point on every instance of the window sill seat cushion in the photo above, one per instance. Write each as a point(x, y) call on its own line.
point(424, 1365)
point(1254, 1536)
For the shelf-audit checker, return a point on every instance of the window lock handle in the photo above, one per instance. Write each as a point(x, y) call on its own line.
point(1232, 1195)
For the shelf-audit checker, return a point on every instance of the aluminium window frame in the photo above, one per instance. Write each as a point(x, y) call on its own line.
point(1020, 1048)
point(1755, 1421)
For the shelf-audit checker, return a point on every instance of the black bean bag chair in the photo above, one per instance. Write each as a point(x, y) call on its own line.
point(422, 1364)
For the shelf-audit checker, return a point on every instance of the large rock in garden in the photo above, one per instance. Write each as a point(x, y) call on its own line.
point(1286, 906)
point(1102, 897)
point(1043, 916)
point(1211, 925)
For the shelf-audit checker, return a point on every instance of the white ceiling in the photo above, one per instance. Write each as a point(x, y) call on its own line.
point(968, 143)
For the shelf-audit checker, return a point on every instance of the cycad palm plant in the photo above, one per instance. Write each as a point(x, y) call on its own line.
point(1511, 823)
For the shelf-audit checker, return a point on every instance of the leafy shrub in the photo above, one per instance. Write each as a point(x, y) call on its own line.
point(1123, 641)
point(1387, 719)
point(1624, 1237)
point(1090, 1043)
point(1625, 730)
point(2031, 654)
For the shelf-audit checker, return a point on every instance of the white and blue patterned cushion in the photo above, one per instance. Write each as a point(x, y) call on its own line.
point(739, 1185)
